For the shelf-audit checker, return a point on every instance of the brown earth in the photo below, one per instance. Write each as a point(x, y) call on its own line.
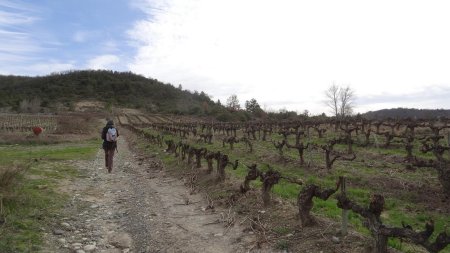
point(138, 208)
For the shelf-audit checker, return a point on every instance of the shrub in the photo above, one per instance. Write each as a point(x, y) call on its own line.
point(8, 176)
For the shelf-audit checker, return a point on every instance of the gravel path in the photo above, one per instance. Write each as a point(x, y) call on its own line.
point(137, 208)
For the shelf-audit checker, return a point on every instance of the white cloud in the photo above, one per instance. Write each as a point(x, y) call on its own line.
point(293, 50)
point(18, 48)
point(17, 13)
point(7, 18)
point(107, 61)
point(18, 5)
point(16, 43)
point(15, 18)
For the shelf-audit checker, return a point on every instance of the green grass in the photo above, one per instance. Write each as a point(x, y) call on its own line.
point(63, 151)
point(282, 245)
point(286, 190)
point(31, 204)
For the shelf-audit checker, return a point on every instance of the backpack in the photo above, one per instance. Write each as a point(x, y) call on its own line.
point(111, 135)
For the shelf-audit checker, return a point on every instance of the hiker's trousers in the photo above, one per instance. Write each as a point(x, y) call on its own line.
point(109, 156)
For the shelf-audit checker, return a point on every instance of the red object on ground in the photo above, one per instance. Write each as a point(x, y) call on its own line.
point(37, 130)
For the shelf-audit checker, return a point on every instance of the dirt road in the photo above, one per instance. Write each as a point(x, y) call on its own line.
point(137, 208)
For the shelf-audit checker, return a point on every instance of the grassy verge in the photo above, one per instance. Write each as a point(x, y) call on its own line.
point(32, 198)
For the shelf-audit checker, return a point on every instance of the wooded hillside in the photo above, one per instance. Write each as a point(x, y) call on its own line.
point(115, 88)
point(402, 113)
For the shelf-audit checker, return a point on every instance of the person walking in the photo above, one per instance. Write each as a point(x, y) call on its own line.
point(109, 136)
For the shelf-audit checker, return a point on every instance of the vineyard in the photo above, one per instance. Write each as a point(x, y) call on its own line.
point(45, 128)
point(388, 179)
point(25, 122)
point(143, 120)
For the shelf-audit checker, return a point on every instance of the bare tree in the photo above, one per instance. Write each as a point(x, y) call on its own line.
point(332, 101)
point(233, 103)
point(346, 97)
point(33, 105)
point(340, 100)
point(24, 105)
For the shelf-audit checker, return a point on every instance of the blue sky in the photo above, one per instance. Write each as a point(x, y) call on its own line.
point(284, 53)
point(44, 36)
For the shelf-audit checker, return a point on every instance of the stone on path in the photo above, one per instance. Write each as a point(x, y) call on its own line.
point(58, 232)
point(120, 240)
point(89, 248)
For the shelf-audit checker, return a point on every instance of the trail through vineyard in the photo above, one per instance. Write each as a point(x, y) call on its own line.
point(138, 208)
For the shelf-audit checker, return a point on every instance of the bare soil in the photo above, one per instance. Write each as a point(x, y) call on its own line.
point(138, 208)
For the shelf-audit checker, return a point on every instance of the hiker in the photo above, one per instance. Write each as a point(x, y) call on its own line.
point(109, 136)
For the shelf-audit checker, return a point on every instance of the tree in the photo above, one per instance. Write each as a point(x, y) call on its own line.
point(24, 105)
point(340, 100)
point(205, 107)
point(332, 101)
point(346, 97)
point(233, 103)
point(305, 113)
point(32, 106)
point(252, 106)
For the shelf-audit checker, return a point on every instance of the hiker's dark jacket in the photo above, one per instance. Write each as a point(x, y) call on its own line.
point(107, 144)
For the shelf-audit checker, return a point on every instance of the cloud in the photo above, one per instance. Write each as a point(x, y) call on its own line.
point(18, 5)
point(15, 40)
point(21, 55)
point(17, 43)
point(18, 48)
point(31, 44)
point(14, 17)
point(150, 6)
point(293, 50)
point(7, 18)
point(179, 43)
point(16, 14)
point(283, 53)
point(429, 97)
point(106, 61)
point(427, 93)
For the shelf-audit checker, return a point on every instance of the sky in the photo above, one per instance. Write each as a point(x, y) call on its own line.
point(284, 53)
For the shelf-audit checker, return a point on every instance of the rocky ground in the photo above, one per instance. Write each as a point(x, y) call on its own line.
point(138, 208)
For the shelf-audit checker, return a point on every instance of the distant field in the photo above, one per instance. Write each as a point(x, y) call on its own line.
point(25, 122)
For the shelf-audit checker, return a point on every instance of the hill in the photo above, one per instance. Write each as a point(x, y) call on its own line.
point(114, 88)
point(401, 113)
